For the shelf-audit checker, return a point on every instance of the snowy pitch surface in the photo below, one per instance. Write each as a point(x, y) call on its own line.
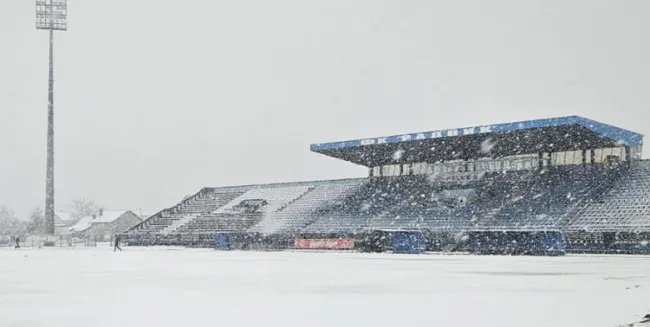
point(181, 287)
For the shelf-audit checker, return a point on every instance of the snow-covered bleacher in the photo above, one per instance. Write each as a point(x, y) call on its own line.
point(626, 207)
point(572, 198)
point(405, 202)
point(275, 197)
point(546, 202)
point(189, 222)
point(247, 209)
point(168, 220)
point(371, 200)
point(565, 174)
point(303, 210)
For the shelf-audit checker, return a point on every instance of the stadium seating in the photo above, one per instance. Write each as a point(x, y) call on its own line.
point(447, 206)
point(546, 201)
point(626, 207)
point(302, 211)
point(373, 199)
point(572, 198)
point(429, 205)
point(167, 221)
point(406, 202)
point(219, 222)
point(561, 176)
point(280, 207)
point(274, 197)
point(217, 201)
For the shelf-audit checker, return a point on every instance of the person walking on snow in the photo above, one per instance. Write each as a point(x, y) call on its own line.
point(117, 244)
point(17, 242)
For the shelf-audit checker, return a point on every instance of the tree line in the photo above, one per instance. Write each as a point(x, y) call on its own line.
point(10, 224)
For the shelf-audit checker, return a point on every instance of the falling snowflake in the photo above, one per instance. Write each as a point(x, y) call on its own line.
point(397, 155)
point(487, 145)
point(365, 207)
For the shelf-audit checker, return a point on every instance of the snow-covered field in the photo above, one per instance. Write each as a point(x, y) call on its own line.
point(180, 287)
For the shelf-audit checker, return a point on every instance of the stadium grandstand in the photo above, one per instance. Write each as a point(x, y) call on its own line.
point(569, 177)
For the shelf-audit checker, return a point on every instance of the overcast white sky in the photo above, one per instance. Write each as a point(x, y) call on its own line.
point(156, 99)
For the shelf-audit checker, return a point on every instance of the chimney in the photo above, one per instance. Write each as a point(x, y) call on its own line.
point(101, 212)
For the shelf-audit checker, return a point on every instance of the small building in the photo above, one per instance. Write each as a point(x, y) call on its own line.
point(62, 223)
point(102, 225)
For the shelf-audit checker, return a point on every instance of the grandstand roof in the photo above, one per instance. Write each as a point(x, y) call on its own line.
point(496, 140)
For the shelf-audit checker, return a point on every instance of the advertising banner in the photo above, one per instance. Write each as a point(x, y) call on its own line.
point(324, 244)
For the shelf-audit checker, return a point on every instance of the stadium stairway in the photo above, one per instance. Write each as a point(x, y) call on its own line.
point(284, 206)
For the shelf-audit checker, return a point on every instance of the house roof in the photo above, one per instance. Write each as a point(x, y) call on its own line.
point(107, 216)
point(64, 216)
point(82, 224)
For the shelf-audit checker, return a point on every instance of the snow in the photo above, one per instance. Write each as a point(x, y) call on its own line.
point(397, 155)
point(487, 145)
point(108, 216)
point(83, 224)
point(64, 217)
point(161, 287)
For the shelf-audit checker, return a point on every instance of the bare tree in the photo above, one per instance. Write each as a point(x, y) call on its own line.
point(9, 223)
point(82, 207)
point(36, 222)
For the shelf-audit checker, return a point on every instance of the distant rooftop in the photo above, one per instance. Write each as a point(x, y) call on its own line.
point(107, 216)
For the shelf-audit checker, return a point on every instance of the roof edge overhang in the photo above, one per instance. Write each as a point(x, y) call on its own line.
point(618, 135)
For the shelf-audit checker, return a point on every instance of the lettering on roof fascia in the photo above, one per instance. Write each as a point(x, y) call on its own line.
point(611, 132)
point(407, 137)
point(485, 129)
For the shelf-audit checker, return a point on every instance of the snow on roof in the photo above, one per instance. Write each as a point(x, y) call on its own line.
point(64, 216)
point(107, 216)
point(82, 224)
point(619, 135)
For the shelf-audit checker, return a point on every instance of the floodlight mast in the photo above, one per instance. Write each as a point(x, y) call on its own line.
point(50, 15)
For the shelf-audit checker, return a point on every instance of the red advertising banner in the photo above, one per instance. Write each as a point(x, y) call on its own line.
point(336, 244)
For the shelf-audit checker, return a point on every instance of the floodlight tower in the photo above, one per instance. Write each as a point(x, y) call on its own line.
point(51, 15)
